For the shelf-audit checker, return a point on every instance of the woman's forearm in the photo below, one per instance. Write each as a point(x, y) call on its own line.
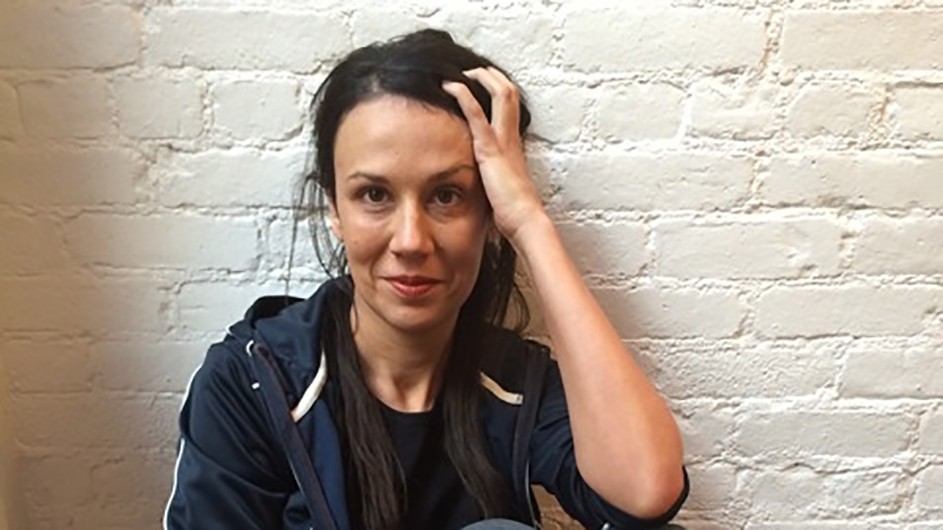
point(627, 443)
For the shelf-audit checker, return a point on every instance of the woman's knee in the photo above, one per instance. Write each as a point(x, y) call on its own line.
point(498, 524)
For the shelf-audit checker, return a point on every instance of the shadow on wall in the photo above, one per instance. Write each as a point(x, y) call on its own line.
point(90, 414)
point(9, 506)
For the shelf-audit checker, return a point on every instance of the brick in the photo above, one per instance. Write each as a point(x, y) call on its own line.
point(514, 40)
point(211, 307)
point(134, 487)
point(920, 112)
point(10, 124)
point(277, 243)
point(866, 493)
point(77, 108)
point(650, 312)
point(68, 36)
point(886, 368)
point(750, 248)
point(931, 435)
point(145, 366)
point(822, 525)
point(156, 107)
point(56, 480)
point(905, 246)
point(256, 110)
point(377, 25)
point(43, 366)
point(908, 39)
point(700, 524)
point(123, 479)
point(872, 180)
point(803, 494)
point(81, 304)
point(234, 177)
point(830, 110)
point(715, 483)
point(163, 241)
point(50, 177)
point(31, 245)
point(653, 39)
point(12, 505)
point(727, 370)
point(735, 111)
point(705, 429)
point(772, 493)
point(557, 112)
point(642, 111)
point(95, 421)
point(676, 181)
point(796, 434)
point(540, 162)
point(929, 497)
point(606, 248)
point(266, 39)
point(818, 311)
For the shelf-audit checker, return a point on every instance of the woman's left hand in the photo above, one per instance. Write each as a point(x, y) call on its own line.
point(499, 150)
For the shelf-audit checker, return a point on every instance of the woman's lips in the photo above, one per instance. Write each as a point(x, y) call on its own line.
point(412, 286)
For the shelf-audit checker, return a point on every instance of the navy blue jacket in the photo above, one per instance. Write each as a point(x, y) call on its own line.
point(260, 450)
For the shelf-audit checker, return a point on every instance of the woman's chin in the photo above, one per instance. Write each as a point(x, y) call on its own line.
point(416, 320)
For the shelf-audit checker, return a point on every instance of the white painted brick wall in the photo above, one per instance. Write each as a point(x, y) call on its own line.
point(47, 178)
point(639, 112)
point(7, 459)
point(819, 39)
point(159, 107)
point(638, 38)
point(617, 180)
point(10, 123)
point(754, 190)
point(749, 248)
point(75, 108)
point(67, 36)
point(741, 110)
point(254, 109)
point(833, 109)
point(899, 179)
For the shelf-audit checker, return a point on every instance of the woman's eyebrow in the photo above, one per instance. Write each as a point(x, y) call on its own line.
point(441, 175)
point(366, 176)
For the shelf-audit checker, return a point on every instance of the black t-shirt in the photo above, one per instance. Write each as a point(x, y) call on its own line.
point(436, 497)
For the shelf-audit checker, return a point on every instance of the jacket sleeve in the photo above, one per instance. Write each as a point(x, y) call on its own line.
point(553, 466)
point(228, 474)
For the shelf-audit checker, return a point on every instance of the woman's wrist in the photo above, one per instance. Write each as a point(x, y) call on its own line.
point(533, 235)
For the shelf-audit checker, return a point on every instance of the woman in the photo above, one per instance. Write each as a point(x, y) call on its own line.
point(393, 398)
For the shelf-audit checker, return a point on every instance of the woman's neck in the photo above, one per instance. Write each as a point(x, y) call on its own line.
point(403, 370)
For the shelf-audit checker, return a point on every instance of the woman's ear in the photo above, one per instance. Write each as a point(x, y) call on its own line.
point(335, 221)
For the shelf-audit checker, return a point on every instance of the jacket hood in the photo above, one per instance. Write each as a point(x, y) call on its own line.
point(290, 329)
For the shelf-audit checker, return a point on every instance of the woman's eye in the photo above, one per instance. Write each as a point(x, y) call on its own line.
point(375, 194)
point(446, 196)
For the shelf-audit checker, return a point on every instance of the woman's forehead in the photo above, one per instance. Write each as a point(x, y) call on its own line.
point(388, 134)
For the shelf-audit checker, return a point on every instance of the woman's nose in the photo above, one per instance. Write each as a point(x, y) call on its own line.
point(411, 233)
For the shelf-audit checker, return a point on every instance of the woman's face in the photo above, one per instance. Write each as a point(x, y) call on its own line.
point(411, 211)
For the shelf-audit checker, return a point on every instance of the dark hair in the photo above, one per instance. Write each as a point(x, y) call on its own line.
point(411, 66)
